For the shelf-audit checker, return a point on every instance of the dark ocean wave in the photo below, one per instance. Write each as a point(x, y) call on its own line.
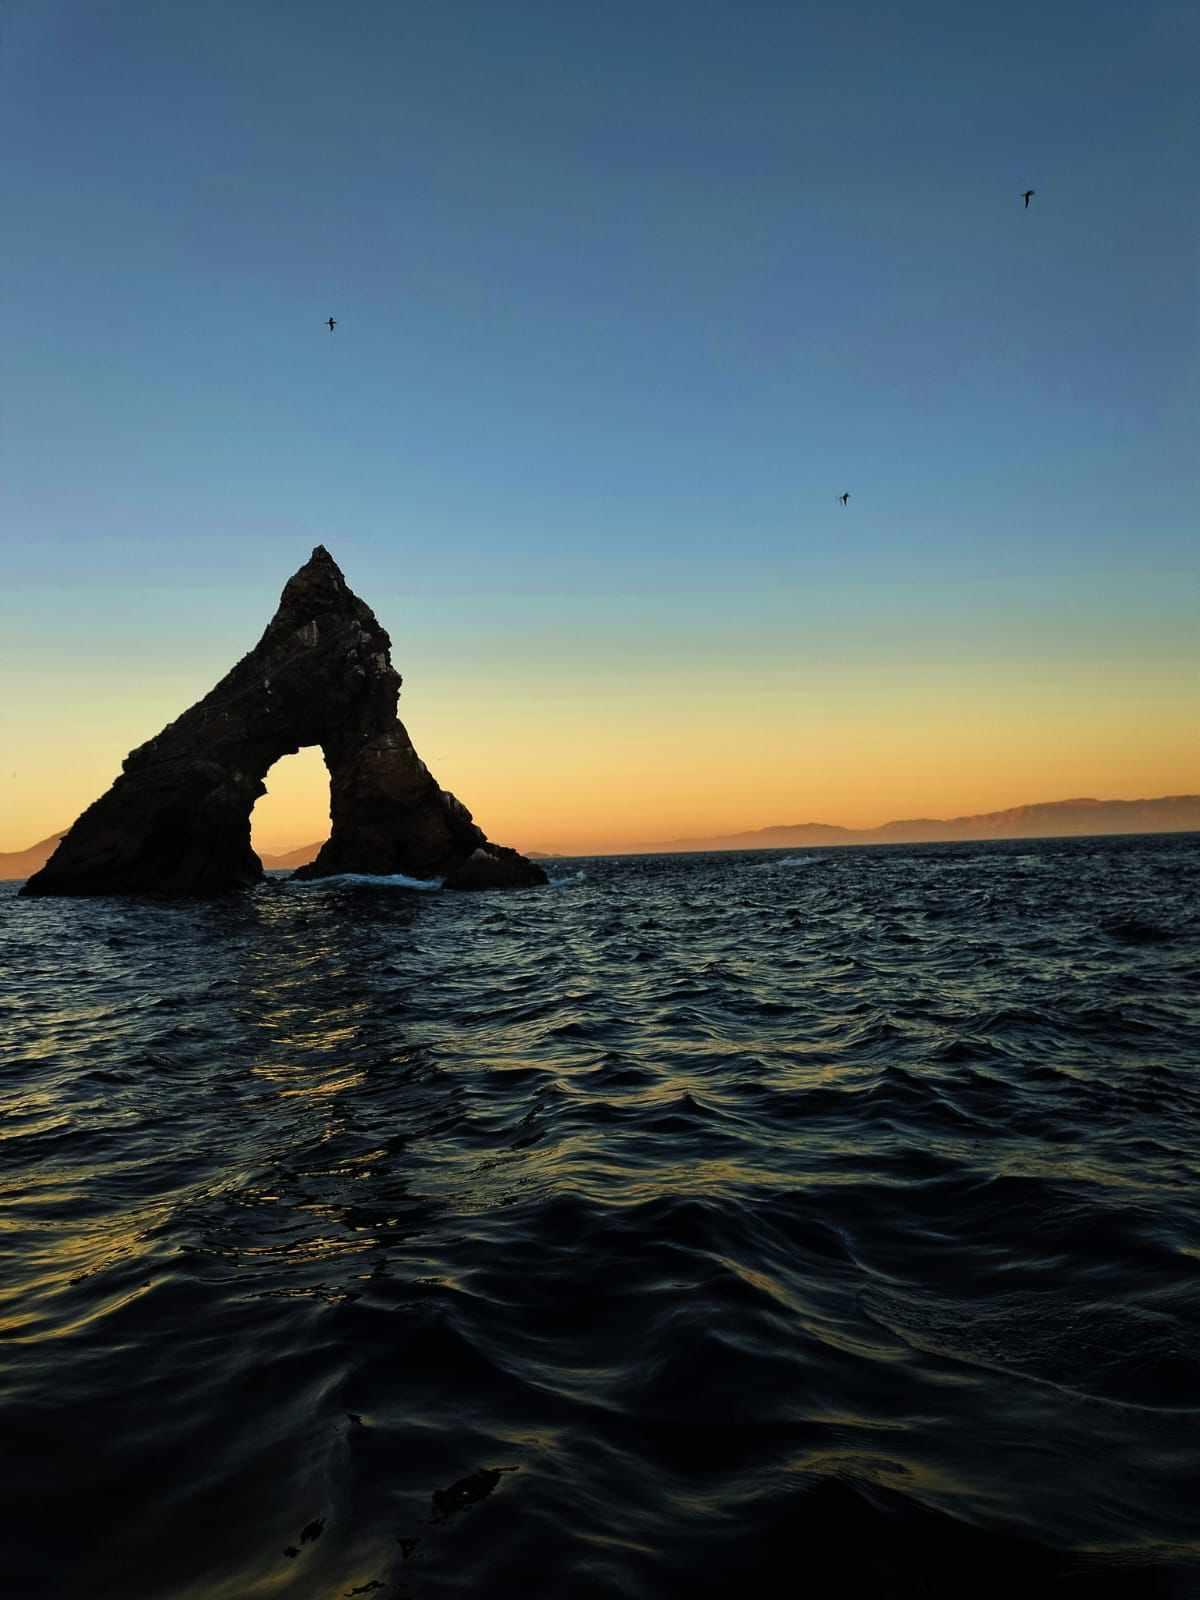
point(813, 1223)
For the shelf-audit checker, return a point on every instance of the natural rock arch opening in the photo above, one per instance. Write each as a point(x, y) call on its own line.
point(293, 814)
point(177, 820)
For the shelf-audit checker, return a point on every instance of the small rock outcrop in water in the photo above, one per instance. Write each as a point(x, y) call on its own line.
point(177, 820)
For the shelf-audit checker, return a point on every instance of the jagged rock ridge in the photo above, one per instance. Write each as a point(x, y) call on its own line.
point(177, 820)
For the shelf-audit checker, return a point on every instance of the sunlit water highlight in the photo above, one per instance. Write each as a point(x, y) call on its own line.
point(690, 1221)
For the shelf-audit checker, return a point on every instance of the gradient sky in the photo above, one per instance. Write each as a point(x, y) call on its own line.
point(627, 295)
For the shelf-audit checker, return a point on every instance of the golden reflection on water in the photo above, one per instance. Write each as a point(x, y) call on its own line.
point(293, 1081)
point(910, 1476)
point(66, 1253)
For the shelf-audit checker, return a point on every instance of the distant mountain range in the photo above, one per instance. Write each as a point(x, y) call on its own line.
point(24, 863)
point(300, 857)
point(1173, 813)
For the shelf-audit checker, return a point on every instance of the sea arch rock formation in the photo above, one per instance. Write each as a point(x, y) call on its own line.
point(177, 819)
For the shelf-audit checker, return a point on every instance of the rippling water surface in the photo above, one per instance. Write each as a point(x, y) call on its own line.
point(811, 1224)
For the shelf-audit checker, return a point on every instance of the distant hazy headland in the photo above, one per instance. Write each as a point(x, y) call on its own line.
point(1173, 813)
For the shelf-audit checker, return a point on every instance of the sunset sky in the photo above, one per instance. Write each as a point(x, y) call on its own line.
point(627, 295)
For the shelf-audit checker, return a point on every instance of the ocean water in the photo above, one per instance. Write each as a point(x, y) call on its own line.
point(812, 1224)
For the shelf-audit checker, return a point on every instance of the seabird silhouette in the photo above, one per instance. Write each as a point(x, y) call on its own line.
point(1028, 196)
point(332, 324)
point(844, 498)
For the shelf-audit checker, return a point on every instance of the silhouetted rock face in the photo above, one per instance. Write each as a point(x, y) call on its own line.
point(177, 820)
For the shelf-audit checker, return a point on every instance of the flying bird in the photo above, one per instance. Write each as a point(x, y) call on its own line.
point(844, 498)
point(332, 324)
point(1028, 196)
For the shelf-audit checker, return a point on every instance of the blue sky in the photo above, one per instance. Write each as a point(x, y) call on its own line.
point(626, 296)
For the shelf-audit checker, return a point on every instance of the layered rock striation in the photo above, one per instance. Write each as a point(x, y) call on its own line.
point(177, 820)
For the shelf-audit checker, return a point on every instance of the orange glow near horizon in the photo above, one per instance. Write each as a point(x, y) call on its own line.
point(598, 766)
